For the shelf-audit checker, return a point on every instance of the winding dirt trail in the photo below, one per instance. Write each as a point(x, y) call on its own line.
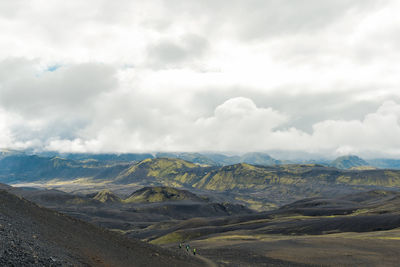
point(207, 261)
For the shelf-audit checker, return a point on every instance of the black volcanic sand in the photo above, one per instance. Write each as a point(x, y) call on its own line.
point(346, 249)
point(231, 256)
point(34, 236)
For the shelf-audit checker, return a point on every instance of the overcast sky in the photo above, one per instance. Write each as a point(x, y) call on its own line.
point(210, 75)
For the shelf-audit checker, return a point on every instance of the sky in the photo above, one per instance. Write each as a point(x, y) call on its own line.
point(122, 76)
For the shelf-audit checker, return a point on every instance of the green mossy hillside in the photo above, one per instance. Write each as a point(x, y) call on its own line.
point(245, 176)
point(161, 194)
point(106, 196)
point(169, 172)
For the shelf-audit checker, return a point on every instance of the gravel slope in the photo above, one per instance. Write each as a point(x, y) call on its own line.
point(34, 236)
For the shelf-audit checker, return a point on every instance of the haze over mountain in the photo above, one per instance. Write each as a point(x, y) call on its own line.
point(347, 162)
point(257, 158)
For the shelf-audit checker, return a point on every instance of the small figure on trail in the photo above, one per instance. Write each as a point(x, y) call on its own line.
point(180, 245)
point(194, 251)
point(187, 247)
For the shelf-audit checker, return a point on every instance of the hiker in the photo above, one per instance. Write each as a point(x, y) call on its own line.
point(180, 245)
point(194, 251)
point(187, 248)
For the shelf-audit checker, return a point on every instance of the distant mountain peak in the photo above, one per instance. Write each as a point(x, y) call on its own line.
point(348, 162)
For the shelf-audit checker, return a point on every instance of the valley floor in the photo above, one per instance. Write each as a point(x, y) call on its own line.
point(345, 249)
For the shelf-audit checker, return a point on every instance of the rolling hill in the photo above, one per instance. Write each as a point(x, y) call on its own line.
point(161, 194)
point(138, 214)
point(106, 196)
point(364, 212)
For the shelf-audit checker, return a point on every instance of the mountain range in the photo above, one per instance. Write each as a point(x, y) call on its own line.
point(171, 171)
point(210, 159)
point(240, 183)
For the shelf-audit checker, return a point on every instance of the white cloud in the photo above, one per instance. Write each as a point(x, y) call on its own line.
point(10, 124)
point(174, 53)
point(200, 75)
point(5, 133)
point(377, 132)
point(237, 124)
point(27, 88)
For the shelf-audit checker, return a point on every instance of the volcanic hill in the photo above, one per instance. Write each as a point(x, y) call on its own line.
point(161, 194)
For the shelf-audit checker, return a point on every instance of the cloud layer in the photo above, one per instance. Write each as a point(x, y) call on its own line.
point(253, 75)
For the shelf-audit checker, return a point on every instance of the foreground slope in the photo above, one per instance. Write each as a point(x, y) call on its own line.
point(34, 236)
